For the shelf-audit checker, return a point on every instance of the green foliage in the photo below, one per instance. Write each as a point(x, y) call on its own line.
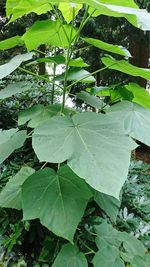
point(87, 153)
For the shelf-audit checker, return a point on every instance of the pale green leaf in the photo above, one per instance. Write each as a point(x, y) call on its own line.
point(10, 196)
point(136, 120)
point(69, 10)
point(108, 47)
point(95, 146)
point(108, 204)
point(14, 88)
point(140, 95)
point(10, 43)
point(58, 200)
point(141, 261)
point(108, 257)
point(78, 62)
point(48, 32)
point(70, 256)
point(126, 67)
point(39, 113)
point(13, 64)
point(10, 140)
point(90, 99)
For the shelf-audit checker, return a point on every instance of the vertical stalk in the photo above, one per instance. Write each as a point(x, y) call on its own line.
point(53, 86)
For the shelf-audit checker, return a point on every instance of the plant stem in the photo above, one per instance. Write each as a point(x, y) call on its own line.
point(53, 86)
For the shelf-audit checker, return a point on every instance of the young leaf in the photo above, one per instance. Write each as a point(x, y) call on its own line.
point(10, 43)
point(108, 204)
point(95, 146)
point(108, 47)
point(48, 32)
point(108, 256)
point(10, 196)
point(140, 95)
point(14, 88)
point(70, 255)
point(125, 67)
point(13, 64)
point(91, 100)
point(9, 141)
point(136, 120)
point(58, 200)
point(69, 10)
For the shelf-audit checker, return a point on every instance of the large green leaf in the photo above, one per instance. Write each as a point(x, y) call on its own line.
point(95, 146)
point(39, 113)
point(108, 257)
point(126, 67)
point(21, 7)
point(69, 10)
point(141, 261)
point(140, 95)
point(14, 88)
point(13, 64)
point(58, 200)
point(10, 196)
point(48, 32)
point(109, 204)
point(9, 141)
point(76, 74)
point(11, 42)
point(108, 47)
point(70, 256)
point(136, 120)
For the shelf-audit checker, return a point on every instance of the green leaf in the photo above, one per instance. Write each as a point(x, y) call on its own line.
point(10, 140)
point(58, 200)
point(91, 100)
point(10, 43)
point(125, 67)
point(140, 95)
point(13, 64)
point(136, 120)
point(77, 75)
point(22, 7)
point(10, 196)
point(39, 113)
point(108, 256)
point(69, 10)
point(58, 59)
point(78, 62)
point(70, 256)
point(141, 261)
point(95, 146)
point(108, 47)
point(14, 88)
point(108, 204)
point(48, 32)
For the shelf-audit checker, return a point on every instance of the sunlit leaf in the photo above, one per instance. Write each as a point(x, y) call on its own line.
point(10, 43)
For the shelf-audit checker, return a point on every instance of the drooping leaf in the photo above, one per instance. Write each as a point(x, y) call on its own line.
point(90, 99)
point(136, 120)
point(126, 67)
point(48, 32)
point(10, 43)
point(95, 146)
point(13, 64)
point(76, 74)
point(58, 200)
point(140, 95)
point(108, 256)
point(69, 10)
point(10, 140)
point(14, 88)
point(10, 196)
point(39, 113)
point(109, 204)
point(22, 7)
point(70, 256)
point(108, 47)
